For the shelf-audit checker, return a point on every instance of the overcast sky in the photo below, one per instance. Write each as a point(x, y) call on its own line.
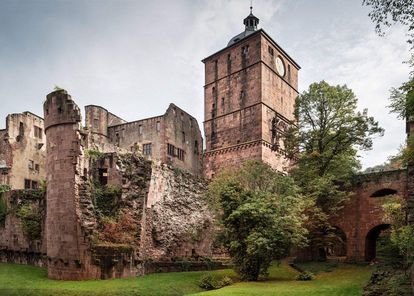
point(135, 57)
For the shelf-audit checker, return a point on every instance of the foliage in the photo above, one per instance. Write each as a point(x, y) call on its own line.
point(212, 282)
point(305, 276)
point(402, 100)
point(261, 215)
point(31, 220)
point(185, 265)
point(25, 195)
point(402, 234)
point(106, 199)
point(57, 88)
point(388, 282)
point(4, 188)
point(3, 206)
point(325, 141)
point(385, 13)
point(94, 155)
point(121, 229)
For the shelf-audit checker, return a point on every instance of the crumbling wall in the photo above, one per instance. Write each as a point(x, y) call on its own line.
point(22, 232)
point(23, 151)
point(178, 221)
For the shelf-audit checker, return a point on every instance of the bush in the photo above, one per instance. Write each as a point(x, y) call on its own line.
point(106, 198)
point(212, 282)
point(122, 229)
point(185, 265)
point(305, 276)
point(31, 221)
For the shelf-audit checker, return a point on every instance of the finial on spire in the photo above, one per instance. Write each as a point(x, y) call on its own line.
point(251, 6)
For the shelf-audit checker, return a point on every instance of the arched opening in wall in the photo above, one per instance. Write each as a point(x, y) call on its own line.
point(384, 192)
point(376, 242)
point(338, 247)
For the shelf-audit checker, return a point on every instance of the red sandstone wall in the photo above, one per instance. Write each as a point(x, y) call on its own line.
point(363, 212)
point(67, 247)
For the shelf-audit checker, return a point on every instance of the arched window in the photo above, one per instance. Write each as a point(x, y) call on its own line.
point(384, 192)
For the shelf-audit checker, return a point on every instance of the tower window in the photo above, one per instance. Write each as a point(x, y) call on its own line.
point(270, 49)
point(21, 129)
point(245, 50)
point(140, 129)
point(196, 147)
point(158, 126)
point(222, 101)
point(183, 137)
point(38, 132)
point(117, 139)
point(170, 150)
point(27, 184)
point(216, 68)
point(95, 123)
point(180, 154)
point(147, 149)
point(289, 76)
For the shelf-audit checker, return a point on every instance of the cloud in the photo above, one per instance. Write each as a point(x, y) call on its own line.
point(135, 57)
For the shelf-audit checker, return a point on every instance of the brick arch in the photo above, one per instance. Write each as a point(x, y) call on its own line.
point(363, 212)
point(384, 192)
point(371, 240)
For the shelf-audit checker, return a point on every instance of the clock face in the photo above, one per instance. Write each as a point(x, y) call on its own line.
point(280, 66)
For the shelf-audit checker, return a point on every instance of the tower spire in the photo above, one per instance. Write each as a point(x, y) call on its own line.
point(251, 21)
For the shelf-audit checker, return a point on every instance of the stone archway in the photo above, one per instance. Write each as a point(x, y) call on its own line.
point(371, 241)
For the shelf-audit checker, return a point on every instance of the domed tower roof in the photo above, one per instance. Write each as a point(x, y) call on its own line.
point(250, 23)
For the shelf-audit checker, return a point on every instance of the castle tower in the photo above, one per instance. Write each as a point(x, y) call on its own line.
point(249, 95)
point(67, 248)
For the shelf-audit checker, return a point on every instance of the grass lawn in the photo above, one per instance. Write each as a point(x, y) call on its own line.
point(344, 280)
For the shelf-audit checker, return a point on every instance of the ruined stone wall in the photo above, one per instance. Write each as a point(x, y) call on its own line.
point(133, 135)
point(175, 127)
point(178, 221)
point(22, 149)
point(182, 131)
point(5, 157)
point(22, 233)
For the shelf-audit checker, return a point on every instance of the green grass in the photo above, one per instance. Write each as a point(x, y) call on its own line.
point(28, 280)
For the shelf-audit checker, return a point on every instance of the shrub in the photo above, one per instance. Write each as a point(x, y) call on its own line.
point(118, 230)
point(305, 276)
point(212, 282)
point(31, 221)
point(94, 155)
point(185, 265)
point(105, 199)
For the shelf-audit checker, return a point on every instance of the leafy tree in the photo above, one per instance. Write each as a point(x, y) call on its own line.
point(325, 142)
point(261, 215)
point(386, 13)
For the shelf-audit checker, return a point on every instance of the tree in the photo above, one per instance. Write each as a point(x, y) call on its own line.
point(386, 13)
point(261, 216)
point(325, 142)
